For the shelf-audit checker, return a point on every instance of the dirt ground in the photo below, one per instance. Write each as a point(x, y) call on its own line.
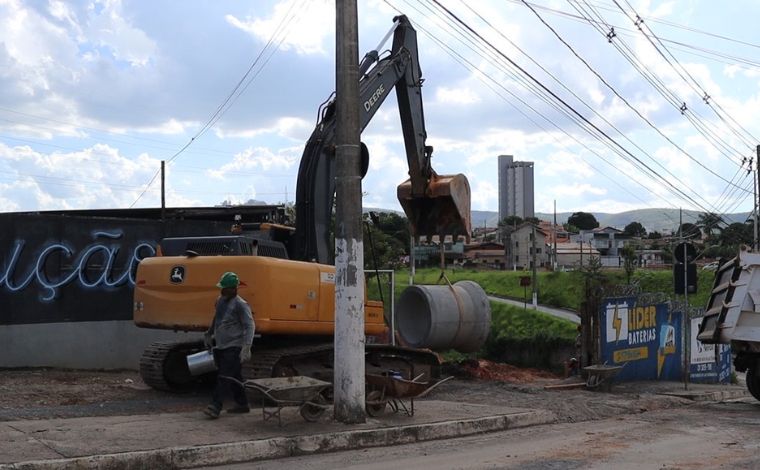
point(47, 393)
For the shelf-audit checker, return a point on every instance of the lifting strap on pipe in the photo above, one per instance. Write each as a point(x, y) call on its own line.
point(460, 307)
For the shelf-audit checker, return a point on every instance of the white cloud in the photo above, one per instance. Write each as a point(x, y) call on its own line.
point(110, 29)
point(484, 195)
point(288, 127)
point(260, 159)
point(567, 165)
point(301, 29)
point(98, 176)
point(456, 96)
point(578, 189)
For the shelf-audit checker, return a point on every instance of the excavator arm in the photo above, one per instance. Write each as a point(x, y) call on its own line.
point(435, 205)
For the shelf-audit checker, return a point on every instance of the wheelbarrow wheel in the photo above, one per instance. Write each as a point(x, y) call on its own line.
point(312, 413)
point(375, 404)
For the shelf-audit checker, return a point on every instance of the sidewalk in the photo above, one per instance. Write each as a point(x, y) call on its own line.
point(189, 439)
point(186, 440)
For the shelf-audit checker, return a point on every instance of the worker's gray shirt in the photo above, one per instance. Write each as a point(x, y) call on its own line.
point(233, 323)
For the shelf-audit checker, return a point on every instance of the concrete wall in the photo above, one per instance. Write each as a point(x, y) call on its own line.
point(80, 345)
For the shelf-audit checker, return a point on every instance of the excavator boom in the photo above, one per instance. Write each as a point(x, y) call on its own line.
point(434, 204)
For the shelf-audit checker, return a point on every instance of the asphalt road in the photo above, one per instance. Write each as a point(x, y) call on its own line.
point(719, 435)
point(556, 312)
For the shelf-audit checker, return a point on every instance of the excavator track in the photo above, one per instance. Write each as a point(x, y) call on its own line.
point(163, 364)
point(283, 362)
point(316, 361)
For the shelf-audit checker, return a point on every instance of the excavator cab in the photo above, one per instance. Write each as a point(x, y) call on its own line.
point(443, 209)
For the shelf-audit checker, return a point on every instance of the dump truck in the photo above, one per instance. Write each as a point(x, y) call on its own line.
point(287, 273)
point(733, 314)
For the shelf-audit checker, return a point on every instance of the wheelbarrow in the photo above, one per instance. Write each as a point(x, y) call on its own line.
point(390, 389)
point(600, 376)
point(276, 393)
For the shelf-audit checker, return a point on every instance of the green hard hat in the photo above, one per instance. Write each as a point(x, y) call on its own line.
point(228, 279)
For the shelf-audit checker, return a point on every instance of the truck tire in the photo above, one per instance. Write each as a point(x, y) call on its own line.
point(753, 380)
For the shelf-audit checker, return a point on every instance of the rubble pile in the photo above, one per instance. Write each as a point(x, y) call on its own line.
point(486, 370)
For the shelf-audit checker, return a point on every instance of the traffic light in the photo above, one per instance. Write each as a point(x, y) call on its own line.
point(691, 278)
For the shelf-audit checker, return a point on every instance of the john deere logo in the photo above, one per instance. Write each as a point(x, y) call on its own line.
point(178, 275)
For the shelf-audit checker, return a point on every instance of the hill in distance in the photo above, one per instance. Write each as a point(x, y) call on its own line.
point(660, 220)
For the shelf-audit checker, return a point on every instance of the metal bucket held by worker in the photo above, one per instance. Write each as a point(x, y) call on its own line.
point(444, 317)
point(201, 363)
point(443, 209)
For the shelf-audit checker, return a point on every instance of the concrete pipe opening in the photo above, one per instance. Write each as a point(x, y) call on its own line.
point(444, 317)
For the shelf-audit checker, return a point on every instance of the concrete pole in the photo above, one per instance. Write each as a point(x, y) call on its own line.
point(412, 261)
point(163, 197)
point(348, 384)
point(756, 184)
point(535, 276)
point(554, 266)
point(685, 319)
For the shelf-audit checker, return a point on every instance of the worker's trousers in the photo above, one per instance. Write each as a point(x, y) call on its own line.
point(228, 365)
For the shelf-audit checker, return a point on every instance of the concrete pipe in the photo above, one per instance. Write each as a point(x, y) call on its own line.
point(444, 317)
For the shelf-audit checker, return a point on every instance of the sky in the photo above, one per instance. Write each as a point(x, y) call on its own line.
point(616, 114)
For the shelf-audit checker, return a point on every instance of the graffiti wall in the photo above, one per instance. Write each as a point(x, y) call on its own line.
point(74, 269)
point(645, 339)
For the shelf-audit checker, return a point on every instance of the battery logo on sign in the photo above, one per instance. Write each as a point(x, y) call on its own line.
point(178, 275)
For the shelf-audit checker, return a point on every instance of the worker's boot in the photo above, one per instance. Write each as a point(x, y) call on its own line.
point(212, 411)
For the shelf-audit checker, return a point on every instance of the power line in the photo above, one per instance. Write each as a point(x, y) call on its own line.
point(571, 109)
point(238, 89)
point(485, 76)
point(622, 98)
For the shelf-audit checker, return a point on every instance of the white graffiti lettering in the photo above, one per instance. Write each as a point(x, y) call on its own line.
point(79, 268)
point(642, 336)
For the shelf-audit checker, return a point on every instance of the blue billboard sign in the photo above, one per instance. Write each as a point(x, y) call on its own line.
point(645, 339)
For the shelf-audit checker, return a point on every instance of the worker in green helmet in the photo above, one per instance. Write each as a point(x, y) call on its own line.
point(229, 338)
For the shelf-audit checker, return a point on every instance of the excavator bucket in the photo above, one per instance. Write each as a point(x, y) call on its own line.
point(443, 209)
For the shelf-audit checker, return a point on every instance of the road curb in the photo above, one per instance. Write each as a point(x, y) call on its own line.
point(717, 395)
point(278, 447)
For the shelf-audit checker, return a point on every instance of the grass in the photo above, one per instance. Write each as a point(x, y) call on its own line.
point(508, 321)
point(558, 289)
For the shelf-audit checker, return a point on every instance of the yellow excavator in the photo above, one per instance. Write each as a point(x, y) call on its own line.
point(287, 274)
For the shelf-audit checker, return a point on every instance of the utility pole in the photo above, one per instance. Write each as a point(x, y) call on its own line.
point(512, 248)
point(756, 184)
point(163, 197)
point(412, 263)
point(348, 386)
point(554, 266)
point(535, 277)
point(685, 315)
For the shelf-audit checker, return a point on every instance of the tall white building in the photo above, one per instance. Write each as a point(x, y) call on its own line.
point(515, 188)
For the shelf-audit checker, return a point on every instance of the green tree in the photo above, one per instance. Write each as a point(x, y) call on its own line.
point(635, 229)
point(629, 261)
point(583, 220)
point(689, 230)
point(386, 240)
point(533, 220)
point(510, 221)
point(507, 226)
point(655, 235)
point(710, 222)
point(737, 234)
